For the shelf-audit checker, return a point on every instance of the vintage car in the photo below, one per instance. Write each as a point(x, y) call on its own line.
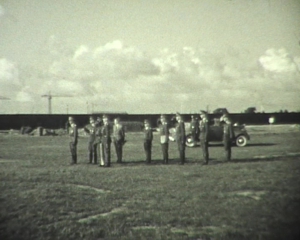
point(216, 134)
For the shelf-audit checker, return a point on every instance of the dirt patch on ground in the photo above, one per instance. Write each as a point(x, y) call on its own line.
point(256, 195)
point(99, 190)
point(93, 217)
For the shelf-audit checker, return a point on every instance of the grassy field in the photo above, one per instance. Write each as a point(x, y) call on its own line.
point(256, 196)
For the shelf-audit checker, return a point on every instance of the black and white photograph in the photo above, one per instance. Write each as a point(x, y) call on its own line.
point(139, 119)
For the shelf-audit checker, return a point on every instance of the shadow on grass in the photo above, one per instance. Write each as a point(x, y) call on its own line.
point(257, 159)
point(158, 162)
point(212, 161)
point(154, 162)
point(212, 145)
point(260, 144)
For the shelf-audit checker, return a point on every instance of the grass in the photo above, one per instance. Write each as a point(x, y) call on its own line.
point(42, 197)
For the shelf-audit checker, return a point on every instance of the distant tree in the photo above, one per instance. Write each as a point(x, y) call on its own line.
point(220, 111)
point(250, 110)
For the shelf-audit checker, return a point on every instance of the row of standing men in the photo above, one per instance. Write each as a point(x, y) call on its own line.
point(100, 138)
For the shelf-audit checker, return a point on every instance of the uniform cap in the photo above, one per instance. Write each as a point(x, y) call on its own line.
point(202, 112)
point(163, 116)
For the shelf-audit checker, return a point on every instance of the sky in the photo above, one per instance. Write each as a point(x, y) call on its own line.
point(142, 56)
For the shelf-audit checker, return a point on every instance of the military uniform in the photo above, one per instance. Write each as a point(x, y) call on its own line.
point(194, 129)
point(228, 136)
point(180, 139)
point(164, 140)
point(148, 137)
point(73, 133)
point(106, 143)
point(119, 139)
point(204, 130)
point(91, 130)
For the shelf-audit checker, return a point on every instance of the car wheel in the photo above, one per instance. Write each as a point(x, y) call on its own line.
point(241, 141)
point(189, 142)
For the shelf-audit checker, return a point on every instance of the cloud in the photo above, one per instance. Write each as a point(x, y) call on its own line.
point(9, 77)
point(278, 61)
point(23, 96)
point(2, 11)
point(122, 78)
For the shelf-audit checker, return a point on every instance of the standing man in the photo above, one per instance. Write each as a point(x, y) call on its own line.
point(98, 122)
point(148, 137)
point(97, 141)
point(204, 130)
point(194, 128)
point(164, 138)
point(118, 138)
point(180, 137)
point(106, 141)
point(73, 133)
point(228, 135)
point(90, 129)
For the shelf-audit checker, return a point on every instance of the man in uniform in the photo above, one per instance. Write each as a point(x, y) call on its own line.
point(228, 135)
point(164, 138)
point(118, 138)
point(148, 137)
point(90, 129)
point(180, 137)
point(194, 128)
point(106, 141)
point(73, 133)
point(204, 130)
point(98, 122)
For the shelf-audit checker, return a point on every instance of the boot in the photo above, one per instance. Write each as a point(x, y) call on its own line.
point(73, 160)
point(90, 158)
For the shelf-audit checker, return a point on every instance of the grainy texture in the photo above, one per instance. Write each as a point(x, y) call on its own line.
point(256, 196)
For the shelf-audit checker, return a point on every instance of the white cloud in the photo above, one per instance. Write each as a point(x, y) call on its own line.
point(2, 11)
point(24, 97)
point(122, 78)
point(9, 78)
point(278, 61)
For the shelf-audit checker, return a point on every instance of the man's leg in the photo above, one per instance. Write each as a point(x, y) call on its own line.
point(204, 146)
point(106, 150)
point(73, 152)
point(95, 146)
point(182, 154)
point(90, 152)
point(227, 146)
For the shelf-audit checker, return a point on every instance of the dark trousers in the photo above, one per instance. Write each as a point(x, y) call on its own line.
point(119, 150)
point(100, 153)
point(92, 147)
point(147, 148)
point(227, 148)
point(195, 136)
point(73, 150)
point(204, 146)
point(106, 151)
point(181, 149)
point(165, 150)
